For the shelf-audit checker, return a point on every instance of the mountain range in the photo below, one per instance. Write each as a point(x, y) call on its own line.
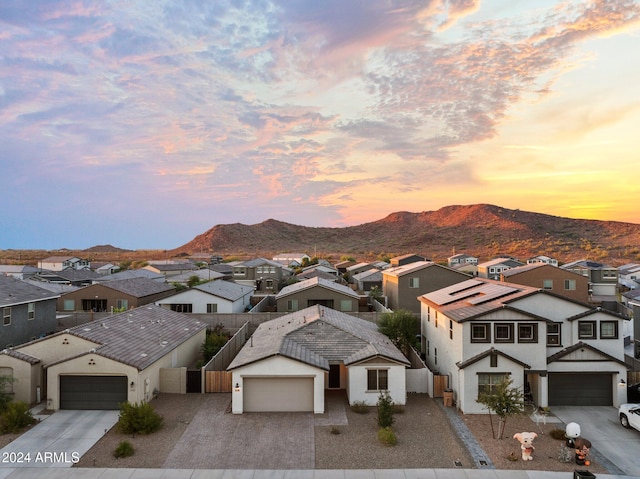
point(481, 230)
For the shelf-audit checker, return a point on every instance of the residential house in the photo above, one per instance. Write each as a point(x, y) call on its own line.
point(211, 297)
point(357, 268)
point(343, 265)
point(28, 312)
point(629, 275)
point(368, 279)
point(170, 268)
point(550, 278)
point(403, 284)
point(114, 295)
point(469, 268)
point(104, 268)
point(561, 351)
point(292, 260)
point(18, 271)
point(60, 263)
point(493, 268)
point(315, 291)
point(603, 281)
point(70, 277)
point(320, 270)
point(406, 259)
point(130, 274)
point(543, 259)
point(290, 361)
point(131, 356)
point(202, 274)
point(461, 259)
point(265, 275)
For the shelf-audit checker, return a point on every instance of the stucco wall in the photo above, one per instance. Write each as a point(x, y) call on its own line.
point(199, 300)
point(173, 380)
point(318, 293)
point(273, 367)
point(57, 347)
point(358, 382)
point(26, 378)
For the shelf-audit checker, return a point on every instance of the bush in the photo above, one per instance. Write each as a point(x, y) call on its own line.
point(385, 410)
point(360, 407)
point(558, 434)
point(124, 449)
point(138, 418)
point(387, 437)
point(334, 430)
point(15, 417)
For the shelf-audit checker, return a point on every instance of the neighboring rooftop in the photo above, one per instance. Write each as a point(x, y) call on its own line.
point(13, 292)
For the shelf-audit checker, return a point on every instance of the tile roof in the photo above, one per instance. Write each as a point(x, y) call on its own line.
point(373, 274)
point(13, 291)
point(313, 282)
point(410, 268)
point(140, 336)
point(225, 289)
point(21, 356)
point(132, 273)
point(137, 287)
point(315, 336)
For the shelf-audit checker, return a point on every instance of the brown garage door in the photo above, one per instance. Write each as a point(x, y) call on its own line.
point(277, 394)
point(92, 392)
point(580, 389)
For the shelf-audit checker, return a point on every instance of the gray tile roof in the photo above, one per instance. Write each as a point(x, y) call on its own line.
point(21, 356)
point(13, 291)
point(316, 336)
point(316, 282)
point(132, 273)
point(138, 287)
point(410, 268)
point(373, 274)
point(140, 336)
point(225, 289)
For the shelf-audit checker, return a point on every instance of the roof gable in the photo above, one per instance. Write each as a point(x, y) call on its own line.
point(567, 353)
point(316, 281)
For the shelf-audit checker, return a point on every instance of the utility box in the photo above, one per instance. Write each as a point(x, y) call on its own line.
point(447, 397)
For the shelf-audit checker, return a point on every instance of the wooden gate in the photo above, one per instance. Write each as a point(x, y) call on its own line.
point(218, 382)
point(440, 383)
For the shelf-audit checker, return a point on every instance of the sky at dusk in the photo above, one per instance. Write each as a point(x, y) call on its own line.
point(143, 124)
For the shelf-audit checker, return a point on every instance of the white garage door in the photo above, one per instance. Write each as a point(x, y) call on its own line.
point(278, 394)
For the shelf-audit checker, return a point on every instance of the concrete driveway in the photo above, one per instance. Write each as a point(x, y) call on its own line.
point(59, 439)
point(600, 425)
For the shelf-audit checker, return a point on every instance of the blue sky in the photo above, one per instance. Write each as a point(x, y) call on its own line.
point(143, 124)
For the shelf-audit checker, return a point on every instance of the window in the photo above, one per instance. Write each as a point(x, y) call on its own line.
point(6, 315)
point(527, 333)
point(587, 330)
point(292, 305)
point(269, 284)
point(503, 333)
point(450, 329)
point(570, 284)
point(608, 330)
point(346, 305)
point(239, 271)
point(553, 334)
point(547, 284)
point(427, 351)
point(480, 333)
point(122, 304)
point(414, 282)
point(435, 356)
point(488, 382)
point(182, 308)
point(69, 305)
point(212, 308)
point(493, 360)
point(428, 314)
point(31, 309)
point(377, 379)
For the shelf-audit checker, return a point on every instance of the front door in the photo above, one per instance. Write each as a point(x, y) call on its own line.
point(334, 376)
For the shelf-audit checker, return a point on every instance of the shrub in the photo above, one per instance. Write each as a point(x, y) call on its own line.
point(558, 434)
point(138, 418)
point(387, 437)
point(385, 410)
point(124, 449)
point(334, 430)
point(360, 407)
point(15, 417)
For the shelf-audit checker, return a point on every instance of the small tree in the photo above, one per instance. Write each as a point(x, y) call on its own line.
point(375, 294)
point(214, 341)
point(5, 391)
point(385, 410)
point(401, 327)
point(505, 401)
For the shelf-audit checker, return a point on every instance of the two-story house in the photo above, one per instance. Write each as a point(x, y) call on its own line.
point(629, 275)
point(543, 259)
point(560, 351)
point(550, 278)
point(461, 259)
point(265, 275)
point(493, 268)
point(28, 312)
point(292, 260)
point(406, 259)
point(403, 284)
point(60, 263)
point(603, 281)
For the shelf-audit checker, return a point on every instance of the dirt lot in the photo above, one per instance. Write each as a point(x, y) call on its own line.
point(425, 439)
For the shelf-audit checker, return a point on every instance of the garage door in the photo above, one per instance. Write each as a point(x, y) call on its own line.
point(585, 389)
point(277, 394)
point(92, 392)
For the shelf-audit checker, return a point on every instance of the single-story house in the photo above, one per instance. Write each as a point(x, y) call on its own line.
point(290, 361)
point(212, 297)
point(368, 279)
point(103, 363)
point(317, 291)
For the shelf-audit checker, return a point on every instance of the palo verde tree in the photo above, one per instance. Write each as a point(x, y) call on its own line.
point(401, 327)
point(503, 400)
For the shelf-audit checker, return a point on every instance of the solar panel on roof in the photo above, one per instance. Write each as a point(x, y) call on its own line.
point(454, 292)
point(491, 293)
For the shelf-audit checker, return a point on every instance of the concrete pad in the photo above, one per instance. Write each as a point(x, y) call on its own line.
point(420, 473)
